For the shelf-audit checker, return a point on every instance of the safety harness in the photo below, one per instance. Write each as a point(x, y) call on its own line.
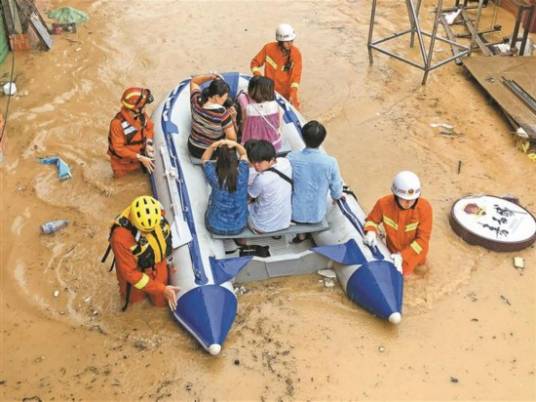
point(150, 248)
point(130, 132)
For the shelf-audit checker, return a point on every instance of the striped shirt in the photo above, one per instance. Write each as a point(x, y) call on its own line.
point(208, 122)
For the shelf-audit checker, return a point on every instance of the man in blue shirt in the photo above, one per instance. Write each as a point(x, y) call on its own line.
point(314, 174)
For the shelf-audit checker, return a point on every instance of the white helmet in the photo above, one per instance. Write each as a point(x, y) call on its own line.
point(284, 33)
point(406, 185)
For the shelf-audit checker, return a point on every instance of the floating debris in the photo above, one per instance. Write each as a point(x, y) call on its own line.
point(504, 299)
point(56, 293)
point(329, 283)
point(241, 290)
point(327, 273)
point(519, 263)
point(381, 349)
point(454, 380)
point(445, 127)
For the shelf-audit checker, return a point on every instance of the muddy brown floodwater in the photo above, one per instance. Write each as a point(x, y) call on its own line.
point(469, 325)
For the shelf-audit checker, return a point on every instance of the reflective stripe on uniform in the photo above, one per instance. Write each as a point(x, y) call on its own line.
point(142, 282)
point(271, 62)
point(295, 85)
point(371, 224)
point(389, 222)
point(416, 247)
point(412, 226)
point(255, 70)
point(127, 128)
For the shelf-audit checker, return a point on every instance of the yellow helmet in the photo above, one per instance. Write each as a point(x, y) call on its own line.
point(145, 213)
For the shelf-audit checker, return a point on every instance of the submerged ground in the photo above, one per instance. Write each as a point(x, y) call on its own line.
point(469, 325)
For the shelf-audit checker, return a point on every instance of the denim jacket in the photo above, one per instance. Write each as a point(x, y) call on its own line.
point(227, 212)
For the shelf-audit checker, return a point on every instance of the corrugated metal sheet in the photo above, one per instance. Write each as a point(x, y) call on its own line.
point(4, 47)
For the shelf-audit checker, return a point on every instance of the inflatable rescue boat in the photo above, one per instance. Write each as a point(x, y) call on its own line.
point(205, 266)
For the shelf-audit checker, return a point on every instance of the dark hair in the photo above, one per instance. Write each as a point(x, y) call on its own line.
point(217, 87)
point(227, 168)
point(261, 89)
point(260, 150)
point(313, 134)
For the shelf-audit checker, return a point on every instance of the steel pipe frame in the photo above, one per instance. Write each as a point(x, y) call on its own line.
point(413, 15)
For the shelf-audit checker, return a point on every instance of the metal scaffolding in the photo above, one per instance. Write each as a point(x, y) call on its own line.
point(413, 8)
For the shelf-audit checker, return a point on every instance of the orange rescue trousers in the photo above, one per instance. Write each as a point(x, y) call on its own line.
point(160, 275)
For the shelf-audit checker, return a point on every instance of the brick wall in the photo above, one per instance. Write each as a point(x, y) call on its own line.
point(19, 42)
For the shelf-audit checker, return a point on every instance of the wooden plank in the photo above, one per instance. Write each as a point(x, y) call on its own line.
point(41, 29)
point(488, 71)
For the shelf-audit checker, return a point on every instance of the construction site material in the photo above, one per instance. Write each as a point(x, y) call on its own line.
point(413, 8)
point(475, 35)
point(451, 37)
point(490, 73)
point(41, 30)
point(520, 93)
point(68, 15)
point(493, 222)
point(512, 6)
point(525, 10)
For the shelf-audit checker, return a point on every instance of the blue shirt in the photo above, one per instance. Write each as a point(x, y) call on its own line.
point(314, 173)
point(227, 212)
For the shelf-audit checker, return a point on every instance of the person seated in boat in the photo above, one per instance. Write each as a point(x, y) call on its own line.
point(315, 174)
point(407, 220)
point(211, 121)
point(140, 239)
point(261, 116)
point(130, 138)
point(270, 190)
point(228, 178)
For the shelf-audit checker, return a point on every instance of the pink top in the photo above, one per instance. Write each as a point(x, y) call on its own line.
point(262, 121)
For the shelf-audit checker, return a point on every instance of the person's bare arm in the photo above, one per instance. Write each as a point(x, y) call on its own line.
point(195, 82)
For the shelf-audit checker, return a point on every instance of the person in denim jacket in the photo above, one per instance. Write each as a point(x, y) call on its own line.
point(315, 173)
point(227, 209)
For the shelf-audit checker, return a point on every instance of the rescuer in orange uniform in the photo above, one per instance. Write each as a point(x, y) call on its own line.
point(407, 220)
point(282, 63)
point(140, 239)
point(130, 139)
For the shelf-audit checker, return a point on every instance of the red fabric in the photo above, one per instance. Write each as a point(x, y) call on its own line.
point(117, 140)
point(282, 79)
point(127, 271)
point(399, 240)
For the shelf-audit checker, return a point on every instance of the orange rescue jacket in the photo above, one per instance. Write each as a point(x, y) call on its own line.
point(408, 231)
point(274, 61)
point(127, 136)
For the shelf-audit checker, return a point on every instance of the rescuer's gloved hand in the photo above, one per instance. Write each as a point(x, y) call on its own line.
point(170, 294)
point(149, 149)
point(397, 261)
point(371, 239)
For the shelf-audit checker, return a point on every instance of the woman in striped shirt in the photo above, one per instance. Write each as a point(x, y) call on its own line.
point(211, 121)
